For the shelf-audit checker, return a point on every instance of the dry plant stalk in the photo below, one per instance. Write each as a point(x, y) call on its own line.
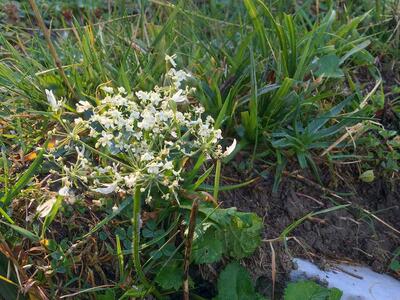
point(188, 248)
point(273, 269)
point(349, 133)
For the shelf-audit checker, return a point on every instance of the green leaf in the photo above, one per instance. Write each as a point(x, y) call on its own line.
point(395, 265)
point(208, 248)
point(329, 67)
point(243, 235)
point(135, 292)
point(219, 216)
point(309, 290)
point(368, 176)
point(277, 102)
point(108, 295)
point(170, 277)
point(227, 232)
point(120, 258)
point(203, 177)
point(234, 283)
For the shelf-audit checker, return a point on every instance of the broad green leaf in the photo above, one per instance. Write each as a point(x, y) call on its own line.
point(243, 235)
point(309, 290)
point(329, 67)
point(367, 176)
point(170, 277)
point(108, 295)
point(208, 248)
point(220, 216)
point(232, 233)
point(234, 283)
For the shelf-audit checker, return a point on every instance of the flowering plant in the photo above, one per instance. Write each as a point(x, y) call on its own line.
point(135, 144)
point(129, 140)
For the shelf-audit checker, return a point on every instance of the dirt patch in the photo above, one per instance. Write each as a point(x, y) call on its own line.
point(356, 234)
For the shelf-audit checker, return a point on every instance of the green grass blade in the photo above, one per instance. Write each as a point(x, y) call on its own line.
point(107, 219)
point(26, 233)
point(50, 217)
point(317, 123)
point(203, 177)
point(25, 178)
point(258, 25)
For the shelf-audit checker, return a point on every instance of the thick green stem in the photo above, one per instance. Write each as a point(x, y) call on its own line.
point(217, 179)
point(136, 243)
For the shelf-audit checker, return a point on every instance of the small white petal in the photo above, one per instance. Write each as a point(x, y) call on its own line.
point(178, 97)
point(64, 191)
point(170, 59)
point(230, 149)
point(52, 100)
point(83, 106)
point(45, 208)
point(107, 189)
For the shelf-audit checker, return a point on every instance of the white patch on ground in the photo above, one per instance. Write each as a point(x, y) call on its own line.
point(356, 283)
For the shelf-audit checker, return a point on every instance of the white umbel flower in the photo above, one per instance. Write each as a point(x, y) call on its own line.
point(140, 138)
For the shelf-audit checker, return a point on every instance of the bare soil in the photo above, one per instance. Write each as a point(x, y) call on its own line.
point(366, 232)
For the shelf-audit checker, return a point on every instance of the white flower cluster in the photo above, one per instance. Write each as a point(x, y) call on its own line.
point(137, 139)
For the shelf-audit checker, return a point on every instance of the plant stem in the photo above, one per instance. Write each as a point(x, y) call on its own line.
point(136, 243)
point(216, 180)
point(188, 248)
